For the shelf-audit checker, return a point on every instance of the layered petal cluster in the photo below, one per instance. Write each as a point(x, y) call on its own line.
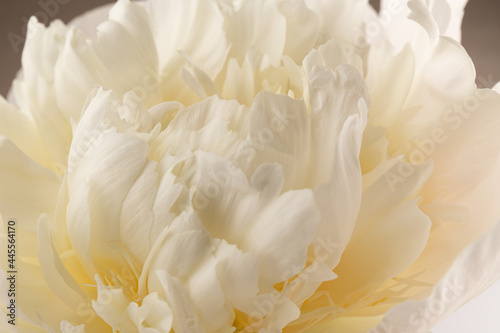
point(249, 166)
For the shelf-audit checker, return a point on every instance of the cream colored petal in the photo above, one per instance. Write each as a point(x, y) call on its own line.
point(21, 129)
point(136, 217)
point(208, 297)
point(38, 304)
point(334, 96)
point(390, 79)
point(125, 45)
point(302, 28)
point(88, 21)
point(111, 305)
point(56, 275)
point(152, 316)
point(282, 235)
point(332, 54)
point(456, 14)
point(256, 25)
point(336, 15)
point(226, 203)
point(224, 199)
point(379, 251)
point(474, 270)
point(465, 178)
point(238, 273)
point(103, 179)
point(388, 185)
point(280, 133)
point(240, 80)
point(66, 327)
point(197, 29)
point(194, 27)
point(214, 125)
point(338, 211)
point(447, 15)
point(185, 318)
point(27, 189)
point(75, 74)
point(34, 92)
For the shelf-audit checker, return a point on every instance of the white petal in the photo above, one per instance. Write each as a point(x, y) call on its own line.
point(279, 132)
point(464, 182)
point(388, 185)
point(238, 274)
point(477, 268)
point(223, 197)
point(111, 306)
point(334, 96)
point(125, 45)
point(20, 128)
point(185, 318)
point(446, 17)
point(105, 175)
point(194, 27)
point(56, 275)
point(152, 316)
point(282, 235)
point(338, 210)
point(331, 55)
point(214, 125)
point(136, 222)
point(27, 189)
point(89, 21)
point(75, 74)
point(302, 28)
point(34, 93)
point(456, 14)
point(256, 25)
point(336, 15)
point(66, 327)
point(379, 251)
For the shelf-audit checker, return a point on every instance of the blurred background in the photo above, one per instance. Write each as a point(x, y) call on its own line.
point(481, 32)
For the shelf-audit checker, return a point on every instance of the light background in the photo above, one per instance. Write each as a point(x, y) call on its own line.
point(481, 38)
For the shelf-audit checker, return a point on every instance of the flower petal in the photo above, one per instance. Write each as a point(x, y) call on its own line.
point(27, 189)
point(126, 45)
point(475, 269)
point(21, 129)
point(56, 275)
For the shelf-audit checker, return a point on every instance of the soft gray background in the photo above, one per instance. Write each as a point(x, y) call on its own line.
point(481, 35)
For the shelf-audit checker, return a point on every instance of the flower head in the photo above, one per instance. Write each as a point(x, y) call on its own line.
point(254, 166)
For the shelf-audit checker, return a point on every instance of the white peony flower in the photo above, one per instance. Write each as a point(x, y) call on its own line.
point(249, 166)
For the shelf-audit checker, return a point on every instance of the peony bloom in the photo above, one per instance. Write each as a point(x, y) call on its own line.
point(249, 166)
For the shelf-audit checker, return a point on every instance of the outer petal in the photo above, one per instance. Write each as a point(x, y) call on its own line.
point(21, 129)
point(56, 275)
point(477, 268)
point(198, 30)
point(27, 189)
point(400, 30)
point(126, 45)
point(34, 92)
point(379, 251)
point(89, 21)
